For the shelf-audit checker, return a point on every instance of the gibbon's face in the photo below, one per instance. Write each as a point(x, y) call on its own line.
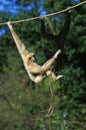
point(31, 57)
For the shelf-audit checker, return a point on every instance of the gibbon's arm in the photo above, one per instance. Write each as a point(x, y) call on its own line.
point(65, 28)
point(21, 48)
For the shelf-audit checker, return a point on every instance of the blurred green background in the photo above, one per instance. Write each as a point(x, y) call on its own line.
point(23, 105)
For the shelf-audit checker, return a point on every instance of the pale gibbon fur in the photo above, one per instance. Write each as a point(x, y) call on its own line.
point(36, 72)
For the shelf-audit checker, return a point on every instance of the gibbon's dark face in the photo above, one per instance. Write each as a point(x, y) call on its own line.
point(31, 56)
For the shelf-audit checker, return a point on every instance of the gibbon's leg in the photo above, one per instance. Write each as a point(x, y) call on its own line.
point(18, 42)
point(52, 75)
point(47, 65)
point(39, 78)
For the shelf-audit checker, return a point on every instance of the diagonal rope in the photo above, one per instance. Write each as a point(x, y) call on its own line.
point(34, 18)
point(51, 108)
point(50, 26)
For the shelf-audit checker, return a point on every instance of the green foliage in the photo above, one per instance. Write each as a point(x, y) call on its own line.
point(23, 105)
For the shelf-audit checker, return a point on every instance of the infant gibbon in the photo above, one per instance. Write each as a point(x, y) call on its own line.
point(36, 72)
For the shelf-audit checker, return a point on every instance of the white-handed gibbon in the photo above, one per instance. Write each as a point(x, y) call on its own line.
point(36, 72)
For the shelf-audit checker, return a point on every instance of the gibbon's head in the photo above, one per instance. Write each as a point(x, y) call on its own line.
point(31, 57)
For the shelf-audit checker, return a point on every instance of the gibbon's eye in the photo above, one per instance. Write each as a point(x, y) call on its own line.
point(30, 57)
point(33, 55)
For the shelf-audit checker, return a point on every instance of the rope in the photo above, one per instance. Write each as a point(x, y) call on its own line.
point(29, 19)
point(51, 108)
point(50, 26)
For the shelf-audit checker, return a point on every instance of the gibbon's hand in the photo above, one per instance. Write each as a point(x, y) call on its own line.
point(42, 17)
point(9, 24)
point(57, 53)
point(69, 9)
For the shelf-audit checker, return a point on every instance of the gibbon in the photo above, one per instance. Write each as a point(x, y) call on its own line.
point(36, 72)
point(55, 42)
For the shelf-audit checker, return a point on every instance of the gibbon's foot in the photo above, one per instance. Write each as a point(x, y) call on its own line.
point(58, 77)
point(57, 53)
point(9, 24)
